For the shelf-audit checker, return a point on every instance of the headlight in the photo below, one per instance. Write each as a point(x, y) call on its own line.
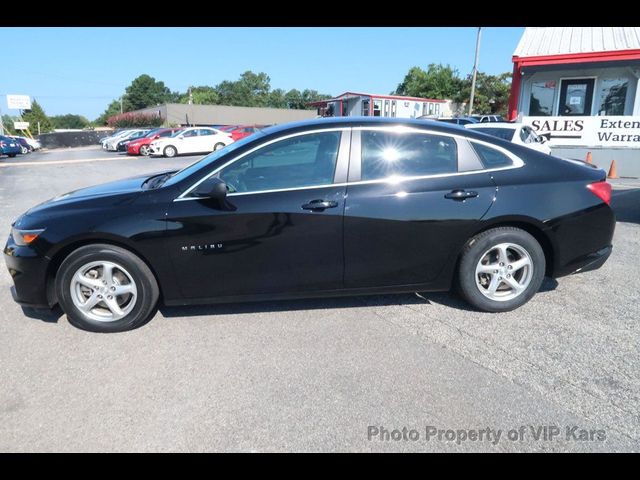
point(24, 237)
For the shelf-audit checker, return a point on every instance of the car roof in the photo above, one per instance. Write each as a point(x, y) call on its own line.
point(493, 125)
point(336, 122)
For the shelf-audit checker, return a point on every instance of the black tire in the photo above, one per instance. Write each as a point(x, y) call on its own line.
point(144, 150)
point(218, 146)
point(170, 151)
point(12, 155)
point(147, 295)
point(468, 284)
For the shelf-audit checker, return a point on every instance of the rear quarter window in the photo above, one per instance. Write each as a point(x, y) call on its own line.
point(491, 157)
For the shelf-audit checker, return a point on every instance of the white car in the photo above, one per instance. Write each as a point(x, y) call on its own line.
point(514, 132)
point(112, 143)
point(113, 137)
point(191, 140)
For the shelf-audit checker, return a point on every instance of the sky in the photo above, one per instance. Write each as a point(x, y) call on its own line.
point(81, 70)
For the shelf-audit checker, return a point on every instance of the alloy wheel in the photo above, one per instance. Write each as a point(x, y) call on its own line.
point(504, 272)
point(103, 291)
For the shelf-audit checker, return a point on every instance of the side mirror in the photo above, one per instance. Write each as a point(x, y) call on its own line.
point(212, 188)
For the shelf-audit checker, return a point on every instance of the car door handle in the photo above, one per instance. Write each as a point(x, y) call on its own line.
point(319, 205)
point(460, 195)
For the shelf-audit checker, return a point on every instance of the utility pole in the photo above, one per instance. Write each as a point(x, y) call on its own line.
point(475, 71)
point(190, 97)
point(120, 103)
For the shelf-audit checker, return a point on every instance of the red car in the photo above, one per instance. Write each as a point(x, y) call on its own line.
point(140, 146)
point(240, 131)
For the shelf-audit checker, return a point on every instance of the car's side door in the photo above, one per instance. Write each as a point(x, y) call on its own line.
point(188, 142)
point(413, 198)
point(206, 139)
point(279, 231)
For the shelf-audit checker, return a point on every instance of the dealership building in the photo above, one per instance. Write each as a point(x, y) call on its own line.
point(579, 87)
point(183, 114)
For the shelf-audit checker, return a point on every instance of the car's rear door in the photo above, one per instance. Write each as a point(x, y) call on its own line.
point(413, 198)
point(280, 229)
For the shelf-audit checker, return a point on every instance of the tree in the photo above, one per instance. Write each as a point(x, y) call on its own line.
point(491, 95)
point(35, 115)
point(277, 99)
point(145, 91)
point(7, 122)
point(438, 81)
point(112, 109)
point(69, 121)
point(203, 95)
point(251, 90)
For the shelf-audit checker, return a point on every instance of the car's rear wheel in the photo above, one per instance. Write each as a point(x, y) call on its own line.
point(170, 151)
point(104, 288)
point(501, 269)
point(218, 146)
point(12, 155)
point(144, 150)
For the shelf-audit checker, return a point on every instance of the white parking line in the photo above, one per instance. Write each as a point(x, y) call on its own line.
point(62, 162)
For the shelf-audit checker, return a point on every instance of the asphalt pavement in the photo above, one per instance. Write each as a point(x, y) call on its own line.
point(347, 374)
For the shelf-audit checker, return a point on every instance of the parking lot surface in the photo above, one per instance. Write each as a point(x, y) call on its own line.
point(323, 374)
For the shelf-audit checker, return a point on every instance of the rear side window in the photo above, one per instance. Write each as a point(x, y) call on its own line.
point(490, 157)
point(386, 154)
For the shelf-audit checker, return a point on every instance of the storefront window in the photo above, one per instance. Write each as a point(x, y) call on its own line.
point(541, 101)
point(613, 95)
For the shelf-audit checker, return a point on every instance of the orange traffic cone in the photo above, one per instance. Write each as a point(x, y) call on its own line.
point(613, 170)
point(589, 157)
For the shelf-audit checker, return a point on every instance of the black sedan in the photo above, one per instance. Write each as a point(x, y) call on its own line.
point(337, 206)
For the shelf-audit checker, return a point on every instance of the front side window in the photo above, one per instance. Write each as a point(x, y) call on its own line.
point(386, 154)
point(205, 132)
point(541, 100)
point(613, 96)
point(301, 161)
point(190, 133)
point(491, 157)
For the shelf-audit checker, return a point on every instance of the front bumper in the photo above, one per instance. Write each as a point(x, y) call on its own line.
point(29, 273)
point(133, 149)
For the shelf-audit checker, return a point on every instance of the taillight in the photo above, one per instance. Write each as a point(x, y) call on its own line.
point(601, 189)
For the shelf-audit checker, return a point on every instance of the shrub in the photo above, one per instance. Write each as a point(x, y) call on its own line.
point(130, 119)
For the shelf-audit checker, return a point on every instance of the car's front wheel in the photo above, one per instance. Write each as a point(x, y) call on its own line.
point(104, 288)
point(144, 150)
point(24, 150)
point(501, 269)
point(170, 151)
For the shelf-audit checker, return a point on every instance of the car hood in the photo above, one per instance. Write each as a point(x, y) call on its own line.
point(120, 187)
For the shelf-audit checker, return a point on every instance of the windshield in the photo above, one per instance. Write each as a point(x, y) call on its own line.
point(153, 132)
point(211, 158)
point(504, 133)
point(176, 133)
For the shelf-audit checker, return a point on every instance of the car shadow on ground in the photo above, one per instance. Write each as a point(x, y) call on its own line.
point(626, 205)
point(419, 298)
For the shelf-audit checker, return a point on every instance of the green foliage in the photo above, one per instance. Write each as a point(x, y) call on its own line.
point(112, 109)
point(439, 82)
point(131, 119)
point(69, 121)
point(250, 90)
point(277, 99)
point(443, 82)
point(145, 91)
point(35, 115)
point(491, 95)
point(203, 95)
point(7, 122)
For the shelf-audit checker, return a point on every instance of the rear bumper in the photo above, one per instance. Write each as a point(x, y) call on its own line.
point(592, 261)
point(29, 273)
